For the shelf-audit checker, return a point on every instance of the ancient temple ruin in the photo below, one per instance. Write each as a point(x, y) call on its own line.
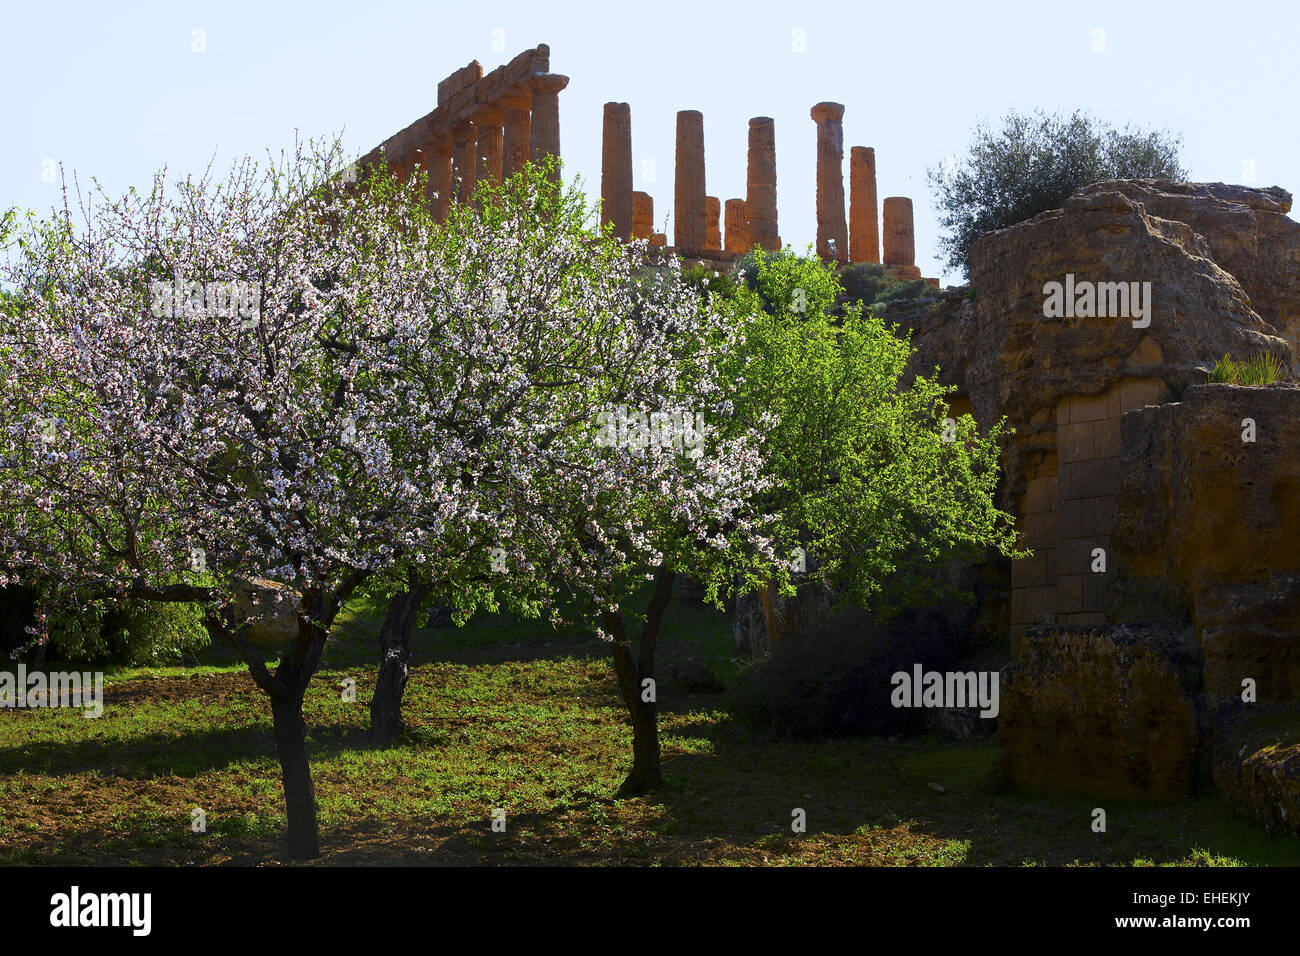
point(488, 127)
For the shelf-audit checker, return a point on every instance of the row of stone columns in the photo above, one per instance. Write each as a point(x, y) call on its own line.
point(753, 220)
point(697, 216)
point(833, 240)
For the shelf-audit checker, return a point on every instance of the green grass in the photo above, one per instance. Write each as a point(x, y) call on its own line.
point(1263, 368)
point(514, 715)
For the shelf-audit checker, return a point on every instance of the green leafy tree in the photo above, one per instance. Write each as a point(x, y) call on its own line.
point(1033, 163)
point(869, 479)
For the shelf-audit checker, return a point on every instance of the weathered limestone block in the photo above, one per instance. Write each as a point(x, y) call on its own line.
point(545, 132)
point(1257, 770)
point(832, 230)
point(1056, 377)
point(695, 678)
point(864, 222)
point(1213, 523)
point(1010, 359)
point(1208, 526)
point(737, 225)
point(689, 217)
point(518, 131)
point(712, 223)
point(643, 215)
point(270, 608)
point(658, 239)
point(616, 170)
point(464, 78)
point(760, 189)
point(1108, 712)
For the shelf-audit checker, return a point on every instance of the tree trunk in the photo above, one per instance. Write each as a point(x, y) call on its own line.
point(286, 689)
point(646, 774)
point(395, 646)
point(299, 792)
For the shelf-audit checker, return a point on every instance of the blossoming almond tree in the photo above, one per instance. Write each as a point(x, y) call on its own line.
point(571, 333)
point(198, 399)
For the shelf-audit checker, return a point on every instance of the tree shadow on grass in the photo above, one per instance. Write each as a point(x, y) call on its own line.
point(186, 754)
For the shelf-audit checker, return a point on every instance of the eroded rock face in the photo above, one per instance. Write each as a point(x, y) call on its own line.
point(1247, 233)
point(1215, 520)
point(1107, 712)
point(1202, 526)
point(1010, 359)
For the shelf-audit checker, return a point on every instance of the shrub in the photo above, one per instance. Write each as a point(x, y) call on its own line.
point(870, 284)
point(135, 633)
point(860, 474)
point(148, 632)
point(1033, 164)
point(709, 282)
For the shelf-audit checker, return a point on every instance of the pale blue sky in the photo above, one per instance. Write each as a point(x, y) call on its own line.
point(115, 90)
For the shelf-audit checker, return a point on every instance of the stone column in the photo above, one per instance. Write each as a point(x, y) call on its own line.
point(864, 227)
point(712, 224)
point(643, 215)
point(900, 243)
point(545, 136)
point(831, 227)
point(440, 181)
point(737, 221)
point(518, 128)
point(489, 122)
point(688, 191)
point(465, 159)
point(760, 188)
point(616, 170)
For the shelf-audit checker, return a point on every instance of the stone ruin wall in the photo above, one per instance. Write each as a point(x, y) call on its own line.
point(1127, 676)
point(1065, 384)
